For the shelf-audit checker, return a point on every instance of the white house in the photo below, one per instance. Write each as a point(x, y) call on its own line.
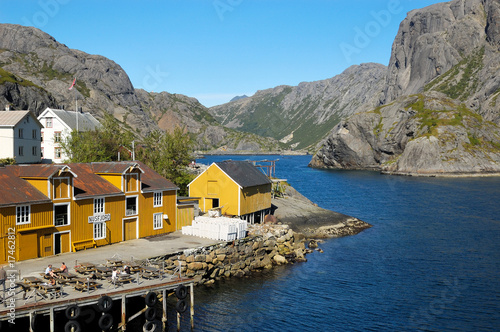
point(57, 125)
point(20, 136)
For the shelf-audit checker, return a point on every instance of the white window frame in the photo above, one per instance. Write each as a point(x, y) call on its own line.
point(136, 206)
point(68, 212)
point(99, 230)
point(157, 199)
point(48, 123)
point(99, 207)
point(57, 137)
point(157, 221)
point(56, 150)
point(23, 214)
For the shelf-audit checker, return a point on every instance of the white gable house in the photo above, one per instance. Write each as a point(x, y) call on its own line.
point(57, 125)
point(20, 136)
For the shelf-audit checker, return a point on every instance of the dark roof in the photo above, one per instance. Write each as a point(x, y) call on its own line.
point(113, 167)
point(85, 120)
point(243, 173)
point(37, 170)
point(88, 184)
point(152, 181)
point(18, 191)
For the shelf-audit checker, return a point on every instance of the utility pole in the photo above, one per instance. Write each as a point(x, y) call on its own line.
point(133, 150)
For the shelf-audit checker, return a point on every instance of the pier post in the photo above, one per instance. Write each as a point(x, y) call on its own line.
point(52, 323)
point(32, 318)
point(178, 321)
point(191, 295)
point(164, 303)
point(124, 313)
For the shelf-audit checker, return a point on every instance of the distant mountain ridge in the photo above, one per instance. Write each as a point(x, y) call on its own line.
point(238, 98)
point(303, 115)
point(36, 72)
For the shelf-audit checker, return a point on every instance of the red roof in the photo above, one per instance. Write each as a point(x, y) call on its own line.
point(88, 184)
point(17, 191)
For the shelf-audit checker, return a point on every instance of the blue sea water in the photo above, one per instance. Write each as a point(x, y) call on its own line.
point(430, 262)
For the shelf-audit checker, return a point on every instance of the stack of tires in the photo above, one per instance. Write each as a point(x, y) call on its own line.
point(181, 294)
point(104, 304)
point(152, 324)
point(72, 313)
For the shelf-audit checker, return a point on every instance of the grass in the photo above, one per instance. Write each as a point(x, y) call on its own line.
point(462, 80)
point(6, 76)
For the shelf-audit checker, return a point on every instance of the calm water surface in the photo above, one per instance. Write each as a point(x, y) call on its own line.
point(430, 262)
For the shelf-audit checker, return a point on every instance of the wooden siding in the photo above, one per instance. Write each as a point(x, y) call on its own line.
point(114, 179)
point(185, 215)
point(210, 182)
point(256, 198)
point(147, 210)
point(41, 184)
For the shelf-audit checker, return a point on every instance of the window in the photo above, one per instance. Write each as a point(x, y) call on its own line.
point(33, 134)
point(131, 182)
point(157, 221)
point(61, 188)
point(98, 206)
point(157, 199)
point(21, 133)
point(48, 123)
point(57, 137)
point(131, 208)
point(21, 150)
point(33, 150)
point(57, 153)
point(99, 230)
point(22, 214)
point(61, 215)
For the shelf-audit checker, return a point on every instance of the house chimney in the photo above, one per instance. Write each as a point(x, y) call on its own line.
point(7, 107)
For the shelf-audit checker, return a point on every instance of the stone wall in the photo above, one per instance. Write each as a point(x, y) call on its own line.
point(264, 247)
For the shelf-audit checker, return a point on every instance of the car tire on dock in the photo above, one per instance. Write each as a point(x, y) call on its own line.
point(72, 311)
point(72, 326)
point(105, 303)
point(105, 322)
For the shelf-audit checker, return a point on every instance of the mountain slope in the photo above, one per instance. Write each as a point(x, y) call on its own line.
point(36, 72)
point(304, 114)
point(448, 53)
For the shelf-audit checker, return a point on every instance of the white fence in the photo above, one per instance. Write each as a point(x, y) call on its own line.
point(221, 228)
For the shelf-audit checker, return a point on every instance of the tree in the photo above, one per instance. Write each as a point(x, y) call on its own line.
point(168, 154)
point(101, 144)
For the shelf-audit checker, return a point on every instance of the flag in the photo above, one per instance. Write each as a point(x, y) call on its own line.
point(72, 84)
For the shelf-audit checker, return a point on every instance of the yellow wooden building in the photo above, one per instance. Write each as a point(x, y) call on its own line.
point(51, 209)
point(237, 188)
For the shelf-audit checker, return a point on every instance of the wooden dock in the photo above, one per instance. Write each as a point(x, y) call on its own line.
point(35, 305)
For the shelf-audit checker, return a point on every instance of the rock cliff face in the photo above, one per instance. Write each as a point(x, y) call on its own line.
point(302, 115)
point(423, 134)
point(36, 72)
point(440, 113)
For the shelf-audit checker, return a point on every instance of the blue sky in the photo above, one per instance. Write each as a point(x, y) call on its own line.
point(214, 50)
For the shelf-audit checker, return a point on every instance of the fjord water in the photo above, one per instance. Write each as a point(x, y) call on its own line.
point(430, 262)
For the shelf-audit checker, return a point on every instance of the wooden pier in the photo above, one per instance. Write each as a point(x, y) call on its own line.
point(72, 302)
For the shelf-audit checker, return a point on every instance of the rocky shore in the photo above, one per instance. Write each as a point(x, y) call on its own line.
point(287, 239)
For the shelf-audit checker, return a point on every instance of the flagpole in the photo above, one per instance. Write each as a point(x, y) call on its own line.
point(76, 103)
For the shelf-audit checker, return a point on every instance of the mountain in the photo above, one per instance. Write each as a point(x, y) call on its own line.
point(303, 115)
point(238, 98)
point(439, 111)
point(36, 72)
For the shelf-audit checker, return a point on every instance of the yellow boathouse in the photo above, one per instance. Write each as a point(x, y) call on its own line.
point(237, 188)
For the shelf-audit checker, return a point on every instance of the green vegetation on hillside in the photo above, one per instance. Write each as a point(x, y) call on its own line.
point(6, 76)
point(462, 80)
